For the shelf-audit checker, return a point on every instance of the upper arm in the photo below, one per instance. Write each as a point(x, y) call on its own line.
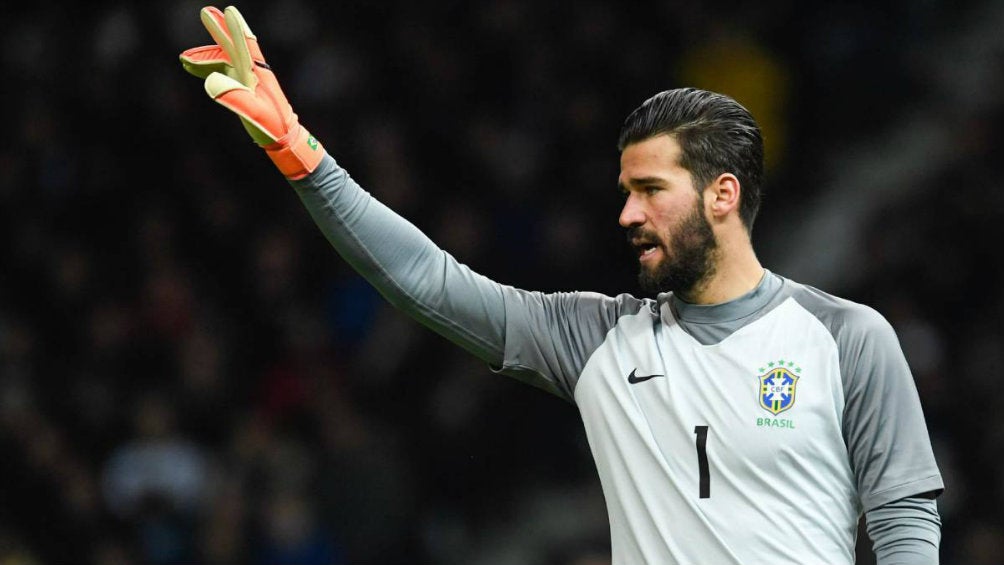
point(884, 428)
point(549, 337)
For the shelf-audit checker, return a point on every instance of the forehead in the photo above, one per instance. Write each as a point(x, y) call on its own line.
point(657, 156)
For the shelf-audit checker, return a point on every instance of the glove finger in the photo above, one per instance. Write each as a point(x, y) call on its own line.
point(201, 61)
point(218, 84)
point(215, 23)
point(258, 117)
point(240, 54)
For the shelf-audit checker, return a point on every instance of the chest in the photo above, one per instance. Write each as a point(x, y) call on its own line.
point(767, 394)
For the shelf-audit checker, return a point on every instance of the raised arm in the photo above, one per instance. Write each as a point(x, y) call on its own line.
point(541, 339)
point(398, 259)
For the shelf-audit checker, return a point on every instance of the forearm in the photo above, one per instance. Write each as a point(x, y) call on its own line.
point(905, 532)
point(404, 265)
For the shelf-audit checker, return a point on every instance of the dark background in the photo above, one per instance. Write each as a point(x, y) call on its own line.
point(189, 373)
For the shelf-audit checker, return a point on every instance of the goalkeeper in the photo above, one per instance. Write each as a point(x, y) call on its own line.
point(737, 418)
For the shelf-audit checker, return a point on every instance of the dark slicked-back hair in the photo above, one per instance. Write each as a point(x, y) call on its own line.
point(716, 135)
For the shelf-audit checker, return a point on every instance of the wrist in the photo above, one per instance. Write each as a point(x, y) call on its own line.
point(296, 154)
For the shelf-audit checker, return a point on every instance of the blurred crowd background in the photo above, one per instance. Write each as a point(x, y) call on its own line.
point(189, 374)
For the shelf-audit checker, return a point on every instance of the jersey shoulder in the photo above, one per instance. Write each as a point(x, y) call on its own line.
point(549, 337)
point(842, 317)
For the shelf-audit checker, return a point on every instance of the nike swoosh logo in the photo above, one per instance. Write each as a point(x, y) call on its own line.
point(634, 379)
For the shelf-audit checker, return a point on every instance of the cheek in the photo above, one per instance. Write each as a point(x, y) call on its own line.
point(668, 224)
point(680, 226)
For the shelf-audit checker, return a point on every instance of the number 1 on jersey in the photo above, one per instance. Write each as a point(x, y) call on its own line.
point(702, 460)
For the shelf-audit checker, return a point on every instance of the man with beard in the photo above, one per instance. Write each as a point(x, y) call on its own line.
point(738, 417)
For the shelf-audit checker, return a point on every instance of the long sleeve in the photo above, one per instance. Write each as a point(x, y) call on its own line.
point(404, 265)
point(905, 532)
point(541, 339)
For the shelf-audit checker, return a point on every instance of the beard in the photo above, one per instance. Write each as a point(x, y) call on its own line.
point(688, 257)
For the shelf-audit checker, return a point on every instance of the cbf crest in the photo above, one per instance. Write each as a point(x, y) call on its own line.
point(778, 386)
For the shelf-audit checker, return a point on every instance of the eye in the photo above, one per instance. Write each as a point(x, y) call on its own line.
point(652, 189)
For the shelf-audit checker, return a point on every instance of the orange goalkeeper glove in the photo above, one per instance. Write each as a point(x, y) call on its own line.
point(237, 77)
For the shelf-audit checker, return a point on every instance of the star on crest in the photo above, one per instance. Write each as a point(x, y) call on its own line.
point(780, 364)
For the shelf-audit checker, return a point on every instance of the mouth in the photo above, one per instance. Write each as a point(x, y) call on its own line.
point(645, 249)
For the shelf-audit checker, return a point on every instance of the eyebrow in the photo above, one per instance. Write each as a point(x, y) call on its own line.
point(642, 181)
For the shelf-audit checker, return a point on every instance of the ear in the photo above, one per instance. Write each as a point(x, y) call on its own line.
point(722, 195)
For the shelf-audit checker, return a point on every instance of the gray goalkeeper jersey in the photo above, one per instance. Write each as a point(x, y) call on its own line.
point(754, 431)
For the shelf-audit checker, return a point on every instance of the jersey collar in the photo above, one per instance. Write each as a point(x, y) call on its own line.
point(735, 309)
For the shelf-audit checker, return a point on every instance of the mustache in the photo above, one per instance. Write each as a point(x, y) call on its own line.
point(636, 233)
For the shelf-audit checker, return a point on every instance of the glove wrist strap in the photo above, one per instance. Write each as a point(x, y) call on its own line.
point(296, 154)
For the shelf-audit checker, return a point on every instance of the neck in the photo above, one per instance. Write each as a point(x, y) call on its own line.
point(737, 271)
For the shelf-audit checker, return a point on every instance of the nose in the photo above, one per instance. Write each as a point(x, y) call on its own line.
point(632, 214)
